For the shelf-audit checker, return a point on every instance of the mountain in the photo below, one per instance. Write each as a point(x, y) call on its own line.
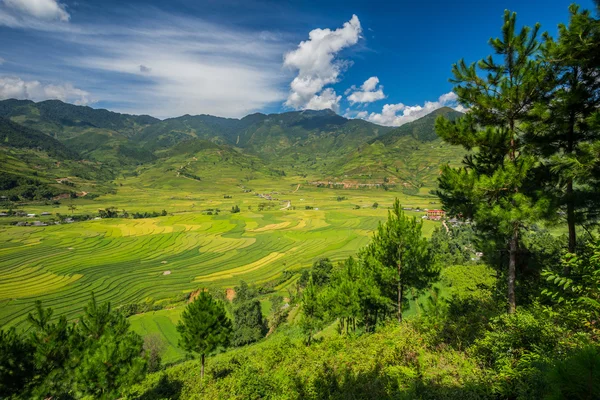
point(34, 165)
point(18, 136)
point(409, 156)
point(62, 120)
point(422, 129)
point(321, 143)
point(122, 139)
point(270, 135)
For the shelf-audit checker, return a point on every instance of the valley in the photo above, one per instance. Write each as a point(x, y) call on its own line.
point(294, 209)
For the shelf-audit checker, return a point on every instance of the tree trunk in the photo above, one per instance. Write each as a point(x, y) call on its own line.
point(202, 368)
point(400, 291)
point(570, 199)
point(512, 271)
point(571, 217)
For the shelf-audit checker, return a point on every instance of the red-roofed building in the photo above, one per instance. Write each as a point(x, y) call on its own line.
point(436, 214)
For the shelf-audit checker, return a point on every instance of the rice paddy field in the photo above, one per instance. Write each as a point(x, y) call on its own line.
point(162, 259)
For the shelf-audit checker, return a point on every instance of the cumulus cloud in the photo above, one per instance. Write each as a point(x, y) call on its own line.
point(317, 66)
point(400, 114)
point(47, 10)
point(17, 88)
point(369, 92)
point(327, 99)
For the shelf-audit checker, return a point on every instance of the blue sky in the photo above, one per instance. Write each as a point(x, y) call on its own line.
point(385, 61)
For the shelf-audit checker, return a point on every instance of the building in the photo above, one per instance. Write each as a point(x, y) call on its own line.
point(435, 214)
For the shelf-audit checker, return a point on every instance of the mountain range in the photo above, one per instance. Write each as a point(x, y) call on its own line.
point(96, 144)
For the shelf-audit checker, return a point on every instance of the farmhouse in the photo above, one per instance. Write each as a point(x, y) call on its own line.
point(435, 214)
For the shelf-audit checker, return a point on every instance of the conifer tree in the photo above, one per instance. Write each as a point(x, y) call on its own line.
point(401, 253)
point(204, 327)
point(312, 311)
point(563, 132)
point(494, 186)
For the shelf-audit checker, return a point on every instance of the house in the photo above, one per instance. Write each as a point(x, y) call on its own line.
point(435, 214)
point(31, 215)
point(46, 213)
point(3, 215)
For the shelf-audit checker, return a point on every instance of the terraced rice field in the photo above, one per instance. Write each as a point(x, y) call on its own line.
point(124, 260)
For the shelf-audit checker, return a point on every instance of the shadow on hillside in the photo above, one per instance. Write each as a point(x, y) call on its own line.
point(164, 389)
point(375, 384)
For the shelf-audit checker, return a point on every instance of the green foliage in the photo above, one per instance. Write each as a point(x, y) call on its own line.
point(396, 362)
point(16, 363)
point(96, 357)
point(248, 323)
point(494, 188)
point(453, 246)
point(577, 377)
point(204, 327)
point(562, 131)
point(311, 319)
point(575, 288)
point(400, 257)
point(519, 348)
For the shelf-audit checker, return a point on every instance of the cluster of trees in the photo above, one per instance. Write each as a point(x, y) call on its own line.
point(206, 328)
point(374, 287)
point(533, 132)
point(17, 188)
point(96, 356)
point(235, 209)
point(113, 212)
point(149, 214)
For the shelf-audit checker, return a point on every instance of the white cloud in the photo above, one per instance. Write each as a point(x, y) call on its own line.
point(47, 10)
point(17, 88)
point(400, 114)
point(368, 93)
point(167, 65)
point(317, 66)
point(327, 99)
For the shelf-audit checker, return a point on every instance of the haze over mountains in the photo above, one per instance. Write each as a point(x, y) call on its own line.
point(321, 144)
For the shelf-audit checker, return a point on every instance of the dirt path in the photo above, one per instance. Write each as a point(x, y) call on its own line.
point(296, 189)
point(289, 204)
point(445, 226)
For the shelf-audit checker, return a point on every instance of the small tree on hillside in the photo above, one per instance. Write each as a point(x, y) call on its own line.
point(249, 325)
point(401, 254)
point(204, 327)
point(312, 311)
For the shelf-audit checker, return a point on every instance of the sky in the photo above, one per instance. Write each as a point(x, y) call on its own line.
point(384, 61)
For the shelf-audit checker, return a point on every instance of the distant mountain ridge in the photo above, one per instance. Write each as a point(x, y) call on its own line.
point(320, 143)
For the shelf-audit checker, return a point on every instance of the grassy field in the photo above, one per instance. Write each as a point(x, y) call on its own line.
point(162, 259)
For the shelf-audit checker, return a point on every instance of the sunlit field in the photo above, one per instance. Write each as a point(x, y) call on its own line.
point(162, 259)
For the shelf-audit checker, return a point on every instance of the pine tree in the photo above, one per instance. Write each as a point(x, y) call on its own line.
point(312, 311)
point(204, 327)
point(495, 185)
point(563, 130)
point(402, 253)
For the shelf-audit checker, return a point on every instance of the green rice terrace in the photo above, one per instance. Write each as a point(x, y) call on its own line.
point(161, 260)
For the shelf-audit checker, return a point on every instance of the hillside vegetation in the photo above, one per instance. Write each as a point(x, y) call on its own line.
point(303, 255)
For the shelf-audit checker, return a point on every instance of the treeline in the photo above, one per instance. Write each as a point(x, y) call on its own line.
point(113, 212)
